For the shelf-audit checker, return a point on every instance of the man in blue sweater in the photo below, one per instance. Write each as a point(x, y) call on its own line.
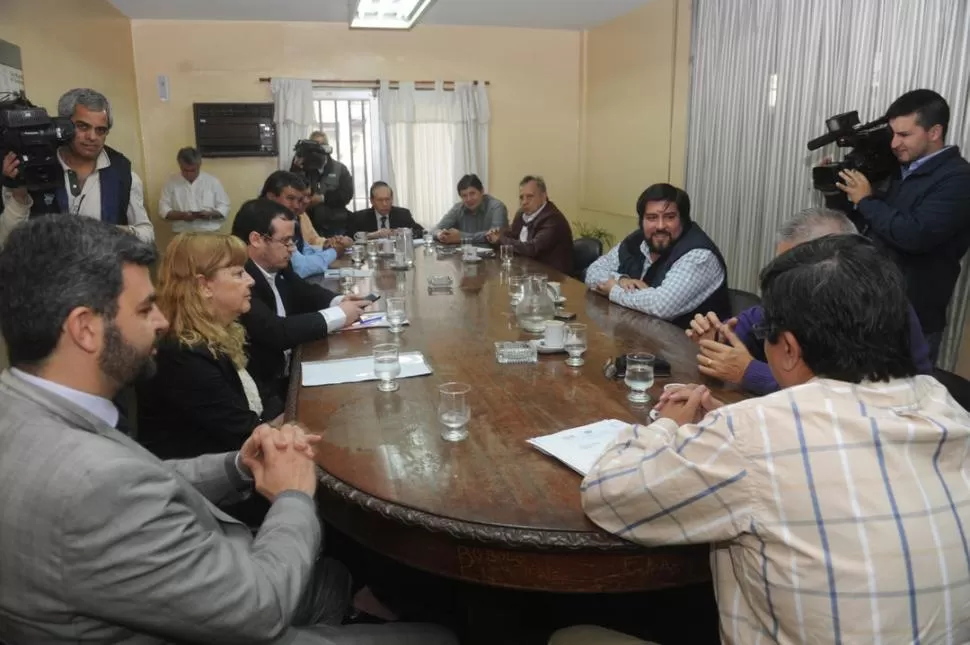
point(923, 218)
point(733, 353)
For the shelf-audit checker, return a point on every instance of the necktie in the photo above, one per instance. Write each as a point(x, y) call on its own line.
point(383, 221)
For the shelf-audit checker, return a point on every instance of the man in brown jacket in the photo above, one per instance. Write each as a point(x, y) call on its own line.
point(539, 230)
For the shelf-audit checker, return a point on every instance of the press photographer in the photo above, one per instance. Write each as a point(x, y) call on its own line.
point(922, 217)
point(94, 180)
point(331, 183)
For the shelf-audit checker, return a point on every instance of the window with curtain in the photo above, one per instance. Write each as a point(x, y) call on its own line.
point(433, 137)
point(766, 75)
point(351, 119)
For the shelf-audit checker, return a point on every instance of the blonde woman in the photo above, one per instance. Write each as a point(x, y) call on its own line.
point(202, 399)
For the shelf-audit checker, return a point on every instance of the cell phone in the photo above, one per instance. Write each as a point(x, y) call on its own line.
point(564, 315)
point(373, 297)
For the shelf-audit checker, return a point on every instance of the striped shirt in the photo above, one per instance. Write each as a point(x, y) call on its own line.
point(838, 513)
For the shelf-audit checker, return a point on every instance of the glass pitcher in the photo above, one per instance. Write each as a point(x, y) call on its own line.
point(536, 306)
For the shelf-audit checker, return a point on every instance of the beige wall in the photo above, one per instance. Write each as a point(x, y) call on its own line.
point(71, 43)
point(534, 92)
point(635, 83)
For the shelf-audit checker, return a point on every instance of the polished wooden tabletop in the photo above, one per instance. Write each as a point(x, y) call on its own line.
point(386, 468)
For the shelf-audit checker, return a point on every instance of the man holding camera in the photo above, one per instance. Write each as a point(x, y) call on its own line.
point(331, 181)
point(923, 218)
point(98, 181)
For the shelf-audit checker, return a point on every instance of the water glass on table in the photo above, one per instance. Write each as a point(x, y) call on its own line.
point(357, 254)
point(505, 253)
point(575, 344)
point(639, 376)
point(467, 246)
point(347, 280)
point(516, 289)
point(372, 250)
point(397, 313)
point(454, 411)
point(428, 238)
point(387, 366)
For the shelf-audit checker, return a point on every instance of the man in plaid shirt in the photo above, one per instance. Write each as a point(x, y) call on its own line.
point(837, 507)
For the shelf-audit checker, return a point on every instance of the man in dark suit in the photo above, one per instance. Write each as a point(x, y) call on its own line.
point(286, 310)
point(382, 217)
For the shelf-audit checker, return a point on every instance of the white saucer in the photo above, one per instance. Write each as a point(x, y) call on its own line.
point(560, 300)
point(471, 258)
point(542, 349)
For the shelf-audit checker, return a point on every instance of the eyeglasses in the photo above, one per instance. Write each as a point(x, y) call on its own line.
point(288, 242)
point(764, 330)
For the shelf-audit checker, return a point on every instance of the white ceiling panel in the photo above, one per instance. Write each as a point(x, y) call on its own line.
point(538, 14)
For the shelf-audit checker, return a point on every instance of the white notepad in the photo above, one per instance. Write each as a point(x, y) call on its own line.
point(355, 370)
point(579, 448)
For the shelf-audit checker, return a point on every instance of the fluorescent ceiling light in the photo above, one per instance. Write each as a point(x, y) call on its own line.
point(386, 14)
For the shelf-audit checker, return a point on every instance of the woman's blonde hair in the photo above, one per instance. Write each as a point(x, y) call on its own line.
point(189, 256)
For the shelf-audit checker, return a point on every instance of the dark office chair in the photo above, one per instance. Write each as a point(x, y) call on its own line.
point(741, 300)
point(586, 250)
point(957, 386)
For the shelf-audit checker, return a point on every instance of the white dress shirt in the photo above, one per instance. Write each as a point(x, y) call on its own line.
point(87, 203)
point(96, 405)
point(204, 194)
point(527, 219)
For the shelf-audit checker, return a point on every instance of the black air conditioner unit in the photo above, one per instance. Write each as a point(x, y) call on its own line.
point(235, 129)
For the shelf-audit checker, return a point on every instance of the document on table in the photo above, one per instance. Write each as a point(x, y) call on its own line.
point(355, 370)
point(579, 448)
point(334, 274)
point(375, 320)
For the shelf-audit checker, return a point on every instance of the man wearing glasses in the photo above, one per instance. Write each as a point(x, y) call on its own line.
point(98, 180)
point(286, 310)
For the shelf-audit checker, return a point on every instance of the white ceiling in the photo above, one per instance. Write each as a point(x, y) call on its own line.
point(542, 14)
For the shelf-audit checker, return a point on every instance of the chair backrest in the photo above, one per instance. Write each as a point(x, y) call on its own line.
point(741, 300)
point(957, 386)
point(586, 250)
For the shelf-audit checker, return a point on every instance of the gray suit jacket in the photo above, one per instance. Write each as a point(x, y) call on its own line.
point(100, 541)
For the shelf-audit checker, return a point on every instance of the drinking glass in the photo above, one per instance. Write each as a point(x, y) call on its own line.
point(467, 247)
point(505, 253)
point(516, 289)
point(347, 280)
point(372, 250)
point(639, 376)
point(397, 313)
point(575, 344)
point(428, 238)
point(453, 410)
point(387, 366)
point(357, 255)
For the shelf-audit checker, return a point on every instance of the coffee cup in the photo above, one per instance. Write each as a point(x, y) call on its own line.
point(554, 290)
point(555, 334)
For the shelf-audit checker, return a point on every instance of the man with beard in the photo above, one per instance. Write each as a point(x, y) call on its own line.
point(103, 542)
point(669, 268)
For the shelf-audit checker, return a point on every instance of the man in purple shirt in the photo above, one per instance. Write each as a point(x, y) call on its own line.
point(732, 354)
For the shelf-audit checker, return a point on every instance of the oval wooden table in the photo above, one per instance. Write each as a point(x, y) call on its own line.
point(491, 509)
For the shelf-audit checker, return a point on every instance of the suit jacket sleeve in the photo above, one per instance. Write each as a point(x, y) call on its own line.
point(303, 324)
point(135, 554)
point(215, 476)
point(407, 221)
point(548, 234)
point(200, 390)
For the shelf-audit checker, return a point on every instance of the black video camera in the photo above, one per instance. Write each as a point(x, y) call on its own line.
point(314, 155)
point(30, 133)
point(871, 151)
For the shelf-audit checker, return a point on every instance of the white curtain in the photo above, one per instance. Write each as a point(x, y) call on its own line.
point(293, 100)
point(765, 76)
point(432, 138)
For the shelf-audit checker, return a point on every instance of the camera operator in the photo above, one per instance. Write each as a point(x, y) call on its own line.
point(98, 181)
point(923, 217)
point(332, 186)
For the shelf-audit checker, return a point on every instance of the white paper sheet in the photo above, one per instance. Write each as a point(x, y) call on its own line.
point(334, 274)
point(355, 370)
point(378, 319)
point(579, 448)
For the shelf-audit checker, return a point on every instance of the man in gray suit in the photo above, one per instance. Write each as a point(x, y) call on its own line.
point(100, 541)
